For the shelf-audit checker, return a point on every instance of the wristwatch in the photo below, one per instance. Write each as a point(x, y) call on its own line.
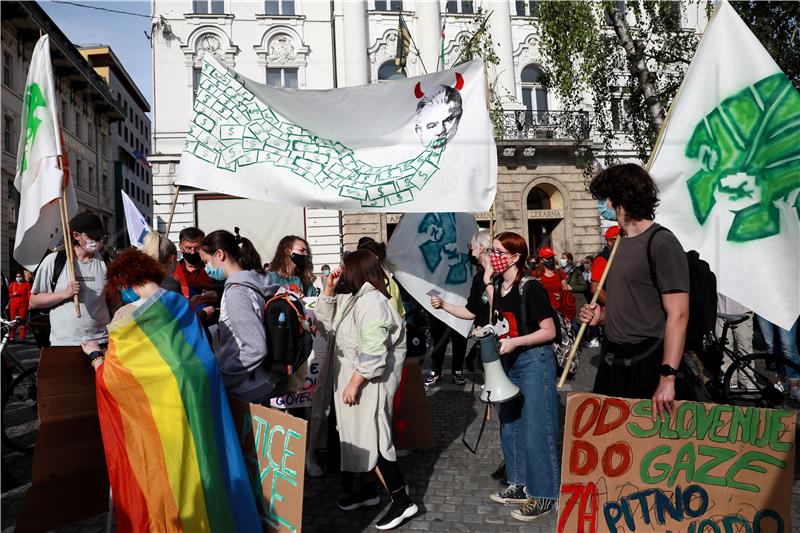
point(666, 370)
point(95, 355)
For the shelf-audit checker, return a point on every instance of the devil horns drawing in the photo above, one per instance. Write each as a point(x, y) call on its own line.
point(438, 112)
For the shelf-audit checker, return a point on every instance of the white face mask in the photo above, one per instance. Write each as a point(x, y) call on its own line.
point(91, 246)
point(19, 279)
point(563, 262)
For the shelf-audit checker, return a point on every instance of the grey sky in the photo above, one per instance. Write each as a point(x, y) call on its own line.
point(124, 33)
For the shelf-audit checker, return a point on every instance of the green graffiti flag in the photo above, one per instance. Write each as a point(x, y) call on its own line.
point(727, 165)
point(39, 178)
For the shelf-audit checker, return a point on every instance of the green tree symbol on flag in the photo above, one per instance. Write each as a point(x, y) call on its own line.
point(34, 99)
point(749, 151)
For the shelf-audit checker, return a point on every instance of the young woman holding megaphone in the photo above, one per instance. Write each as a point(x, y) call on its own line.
point(522, 319)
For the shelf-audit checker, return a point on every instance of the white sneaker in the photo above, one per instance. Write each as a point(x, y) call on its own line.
point(594, 343)
point(312, 468)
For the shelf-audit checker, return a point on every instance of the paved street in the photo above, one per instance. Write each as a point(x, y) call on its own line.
point(450, 484)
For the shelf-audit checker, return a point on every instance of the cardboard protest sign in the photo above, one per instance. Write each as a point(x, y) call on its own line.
point(411, 425)
point(710, 469)
point(70, 480)
point(274, 447)
point(303, 397)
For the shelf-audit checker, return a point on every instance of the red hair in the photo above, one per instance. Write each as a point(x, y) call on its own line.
point(133, 267)
point(515, 243)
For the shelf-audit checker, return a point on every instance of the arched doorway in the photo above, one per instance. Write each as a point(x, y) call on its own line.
point(545, 215)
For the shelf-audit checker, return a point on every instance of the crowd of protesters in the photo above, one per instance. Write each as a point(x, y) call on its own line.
point(639, 320)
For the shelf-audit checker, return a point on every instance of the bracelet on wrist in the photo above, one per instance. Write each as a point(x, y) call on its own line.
point(97, 354)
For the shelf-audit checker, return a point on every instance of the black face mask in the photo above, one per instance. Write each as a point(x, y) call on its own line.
point(549, 263)
point(192, 259)
point(300, 261)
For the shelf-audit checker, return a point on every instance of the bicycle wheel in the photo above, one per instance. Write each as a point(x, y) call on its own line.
point(20, 421)
point(759, 380)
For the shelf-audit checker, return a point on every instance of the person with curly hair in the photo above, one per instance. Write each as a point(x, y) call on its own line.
point(291, 265)
point(646, 313)
point(158, 390)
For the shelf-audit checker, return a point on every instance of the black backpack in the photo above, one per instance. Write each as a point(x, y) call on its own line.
point(289, 338)
point(40, 318)
point(700, 331)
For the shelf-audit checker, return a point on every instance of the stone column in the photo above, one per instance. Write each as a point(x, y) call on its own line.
point(429, 33)
point(356, 64)
point(500, 28)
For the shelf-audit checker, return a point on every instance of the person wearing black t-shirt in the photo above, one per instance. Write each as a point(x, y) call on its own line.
point(529, 423)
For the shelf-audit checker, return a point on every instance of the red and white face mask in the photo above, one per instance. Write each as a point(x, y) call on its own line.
point(499, 262)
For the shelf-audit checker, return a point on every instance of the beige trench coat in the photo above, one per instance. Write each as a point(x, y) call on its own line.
point(371, 340)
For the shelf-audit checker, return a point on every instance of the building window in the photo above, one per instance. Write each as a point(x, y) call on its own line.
point(534, 93)
point(7, 69)
point(387, 70)
point(78, 173)
point(104, 185)
point(91, 178)
point(282, 78)
point(460, 6)
point(8, 134)
point(195, 81)
point(620, 111)
point(77, 124)
point(90, 133)
point(147, 200)
point(388, 5)
point(63, 113)
point(103, 145)
point(279, 7)
point(526, 8)
point(209, 7)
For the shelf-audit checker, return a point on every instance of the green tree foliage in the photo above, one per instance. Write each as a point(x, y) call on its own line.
point(629, 56)
point(776, 26)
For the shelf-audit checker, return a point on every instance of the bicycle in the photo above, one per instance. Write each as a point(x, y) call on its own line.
point(760, 377)
point(19, 409)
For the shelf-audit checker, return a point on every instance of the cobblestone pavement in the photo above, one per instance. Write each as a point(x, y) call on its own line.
point(449, 483)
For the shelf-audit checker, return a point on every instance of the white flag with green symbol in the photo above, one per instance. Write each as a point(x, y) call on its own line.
point(420, 144)
point(39, 179)
point(728, 168)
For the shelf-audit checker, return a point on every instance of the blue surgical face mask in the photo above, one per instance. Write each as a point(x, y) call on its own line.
point(217, 273)
point(128, 295)
point(605, 212)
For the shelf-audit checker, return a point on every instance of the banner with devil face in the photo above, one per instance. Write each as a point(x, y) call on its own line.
point(415, 145)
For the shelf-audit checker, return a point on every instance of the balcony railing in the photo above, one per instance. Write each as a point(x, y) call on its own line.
point(545, 125)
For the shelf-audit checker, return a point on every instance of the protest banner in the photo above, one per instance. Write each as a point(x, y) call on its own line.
point(428, 255)
point(411, 145)
point(303, 397)
point(70, 480)
point(709, 469)
point(274, 447)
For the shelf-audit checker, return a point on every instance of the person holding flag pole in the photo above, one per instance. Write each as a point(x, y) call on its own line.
point(47, 196)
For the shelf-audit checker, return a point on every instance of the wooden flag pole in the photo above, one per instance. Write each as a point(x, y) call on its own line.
point(172, 210)
point(68, 249)
point(579, 337)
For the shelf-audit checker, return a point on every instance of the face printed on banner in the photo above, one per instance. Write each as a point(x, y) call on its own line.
point(439, 113)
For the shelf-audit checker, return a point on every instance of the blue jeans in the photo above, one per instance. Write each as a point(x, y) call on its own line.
point(529, 425)
point(787, 339)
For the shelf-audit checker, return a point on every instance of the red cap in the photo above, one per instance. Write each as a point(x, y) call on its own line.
point(612, 232)
point(546, 252)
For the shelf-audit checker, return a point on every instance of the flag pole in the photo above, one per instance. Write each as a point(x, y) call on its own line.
point(68, 249)
point(172, 210)
point(581, 331)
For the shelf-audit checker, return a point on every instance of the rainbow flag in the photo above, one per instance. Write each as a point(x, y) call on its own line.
point(174, 459)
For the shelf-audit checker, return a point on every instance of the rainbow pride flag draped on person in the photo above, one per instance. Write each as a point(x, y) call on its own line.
point(174, 459)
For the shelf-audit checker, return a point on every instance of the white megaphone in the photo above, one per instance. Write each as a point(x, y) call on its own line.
point(497, 387)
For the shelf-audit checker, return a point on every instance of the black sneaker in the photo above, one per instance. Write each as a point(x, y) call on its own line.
point(533, 508)
point(365, 497)
point(458, 378)
point(433, 378)
point(513, 494)
point(396, 514)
